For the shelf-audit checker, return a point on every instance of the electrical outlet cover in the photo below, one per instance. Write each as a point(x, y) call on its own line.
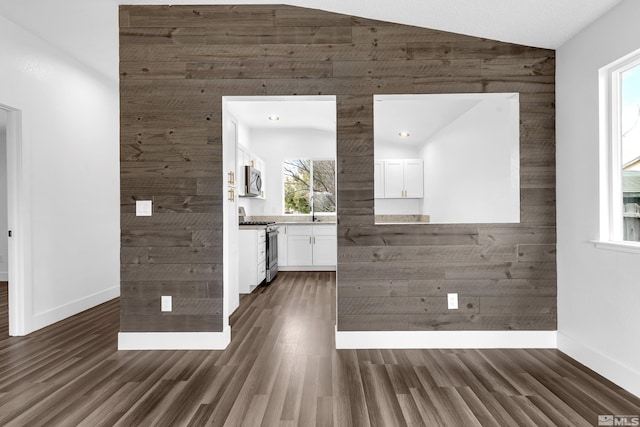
point(452, 301)
point(144, 207)
point(166, 303)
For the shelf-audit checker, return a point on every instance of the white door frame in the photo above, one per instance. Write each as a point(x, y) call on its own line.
point(19, 222)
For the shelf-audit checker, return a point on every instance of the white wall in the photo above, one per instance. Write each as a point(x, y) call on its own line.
point(71, 142)
point(275, 146)
point(598, 290)
point(469, 165)
point(4, 249)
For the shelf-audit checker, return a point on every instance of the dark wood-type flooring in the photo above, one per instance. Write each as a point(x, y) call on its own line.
point(282, 370)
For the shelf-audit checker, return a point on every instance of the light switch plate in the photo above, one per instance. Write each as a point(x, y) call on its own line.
point(144, 207)
point(166, 303)
point(452, 301)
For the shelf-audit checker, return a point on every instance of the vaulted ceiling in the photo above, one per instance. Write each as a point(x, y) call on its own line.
point(88, 29)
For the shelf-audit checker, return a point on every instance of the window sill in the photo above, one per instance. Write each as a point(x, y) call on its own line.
point(629, 247)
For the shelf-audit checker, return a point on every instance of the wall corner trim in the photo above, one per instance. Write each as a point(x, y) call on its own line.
point(174, 340)
point(445, 339)
point(616, 372)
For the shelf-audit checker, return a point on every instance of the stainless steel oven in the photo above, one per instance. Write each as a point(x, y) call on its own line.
point(272, 252)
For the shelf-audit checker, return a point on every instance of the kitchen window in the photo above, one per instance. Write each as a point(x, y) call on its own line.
point(309, 186)
point(620, 154)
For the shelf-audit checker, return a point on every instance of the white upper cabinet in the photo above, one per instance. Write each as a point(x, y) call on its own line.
point(413, 179)
point(401, 178)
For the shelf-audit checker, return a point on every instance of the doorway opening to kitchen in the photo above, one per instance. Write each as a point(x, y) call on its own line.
point(14, 223)
point(280, 173)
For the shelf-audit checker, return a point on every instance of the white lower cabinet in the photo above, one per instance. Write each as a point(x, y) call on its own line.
point(253, 259)
point(308, 247)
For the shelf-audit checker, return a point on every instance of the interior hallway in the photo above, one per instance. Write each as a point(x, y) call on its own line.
point(282, 369)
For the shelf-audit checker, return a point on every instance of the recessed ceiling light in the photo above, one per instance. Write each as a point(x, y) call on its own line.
point(274, 118)
point(404, 134)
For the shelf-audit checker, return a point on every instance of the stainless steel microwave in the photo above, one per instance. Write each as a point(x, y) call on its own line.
point(253, 182)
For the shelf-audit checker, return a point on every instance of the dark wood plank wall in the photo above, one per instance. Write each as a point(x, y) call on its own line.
point(175, 65)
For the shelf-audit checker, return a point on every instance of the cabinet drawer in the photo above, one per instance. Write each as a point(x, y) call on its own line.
point(262, 236)
point(262, 272)
point(300, 230)
point(261, 252)
point(324, 230)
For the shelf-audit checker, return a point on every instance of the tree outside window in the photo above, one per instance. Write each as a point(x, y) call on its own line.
point(630, 151)
point(309, 186)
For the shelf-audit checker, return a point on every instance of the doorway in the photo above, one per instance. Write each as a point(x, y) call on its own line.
point(270, 133)
point(15, 221)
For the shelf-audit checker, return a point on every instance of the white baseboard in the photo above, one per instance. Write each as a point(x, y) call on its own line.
point(49, 317)
point(174, 340)
point(4, 276)
point(307, 268)
point(614, 371)
point(444, 339)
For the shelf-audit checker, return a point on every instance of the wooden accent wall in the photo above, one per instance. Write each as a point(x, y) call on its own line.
point(176, 62)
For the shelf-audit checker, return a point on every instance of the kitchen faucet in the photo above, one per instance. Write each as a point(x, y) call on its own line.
point(313, 211)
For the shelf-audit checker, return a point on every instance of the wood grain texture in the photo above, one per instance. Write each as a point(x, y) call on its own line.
point(282, 369)
point(176, 63)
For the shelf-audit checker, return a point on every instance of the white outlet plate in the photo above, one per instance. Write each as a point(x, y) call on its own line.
point(166, 303)
point(144, 207)
point(452, 301)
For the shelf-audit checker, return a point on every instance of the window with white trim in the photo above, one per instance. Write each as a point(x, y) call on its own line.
point(621, 165)
point(309, 186)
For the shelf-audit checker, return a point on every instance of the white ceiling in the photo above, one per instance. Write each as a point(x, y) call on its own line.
point(306, 112)
point(421, 116)
point(88, 29)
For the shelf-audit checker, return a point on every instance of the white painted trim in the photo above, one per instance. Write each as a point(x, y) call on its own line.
point(629, 247)
point(444, 339)
point(174, 340)
point(307, 268)
point(56, 314)
point(613, 370)
point(19, 222)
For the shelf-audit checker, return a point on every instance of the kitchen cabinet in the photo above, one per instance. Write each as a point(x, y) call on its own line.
point(252, 259)
point(402, 178)
point(283, 256)
point(378, 179)
point(325, 245)
point(308, 247)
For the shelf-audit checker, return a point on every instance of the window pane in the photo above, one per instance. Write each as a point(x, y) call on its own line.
point(324, 185)
point(297, 188)
point(630, 149)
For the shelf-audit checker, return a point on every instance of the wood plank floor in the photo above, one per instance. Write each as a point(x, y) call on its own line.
point(282, 369)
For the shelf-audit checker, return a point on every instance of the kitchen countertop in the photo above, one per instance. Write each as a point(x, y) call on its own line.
point(305, 223)
point(293, 219)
